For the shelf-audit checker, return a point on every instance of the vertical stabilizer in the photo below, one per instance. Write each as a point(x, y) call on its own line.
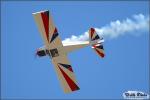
point(96, 42)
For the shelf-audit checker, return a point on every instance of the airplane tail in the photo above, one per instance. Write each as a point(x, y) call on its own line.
point(96, 42)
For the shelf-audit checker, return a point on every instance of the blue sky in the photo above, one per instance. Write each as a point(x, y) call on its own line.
point(125, 67)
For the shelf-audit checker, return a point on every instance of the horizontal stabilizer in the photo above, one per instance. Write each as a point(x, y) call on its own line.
point(99, 49)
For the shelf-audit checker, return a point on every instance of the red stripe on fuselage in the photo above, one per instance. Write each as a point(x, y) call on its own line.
point(71, 83)
point(45, 19)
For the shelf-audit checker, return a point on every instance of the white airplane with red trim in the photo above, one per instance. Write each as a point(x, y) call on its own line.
point(57, 51)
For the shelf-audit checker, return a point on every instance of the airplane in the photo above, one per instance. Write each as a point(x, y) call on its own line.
point(57, 51)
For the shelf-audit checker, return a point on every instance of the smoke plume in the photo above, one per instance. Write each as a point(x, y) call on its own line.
point(136, 26)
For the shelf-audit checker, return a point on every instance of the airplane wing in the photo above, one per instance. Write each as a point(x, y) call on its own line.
point(65, 73)
point(53, 43)
point(47, 29)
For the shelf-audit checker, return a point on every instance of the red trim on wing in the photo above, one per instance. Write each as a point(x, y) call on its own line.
point(101, 54)
point(70, 69)
point(45, 19)
point(55, 31)
point(71, 83)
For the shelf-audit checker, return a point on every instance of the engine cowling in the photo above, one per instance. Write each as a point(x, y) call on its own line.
point(41, 52)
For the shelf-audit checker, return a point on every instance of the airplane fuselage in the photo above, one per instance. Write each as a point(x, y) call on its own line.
point(63, 50)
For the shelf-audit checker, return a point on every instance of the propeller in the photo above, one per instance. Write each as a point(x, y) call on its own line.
point(35, 55)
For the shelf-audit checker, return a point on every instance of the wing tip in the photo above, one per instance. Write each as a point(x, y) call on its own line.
point(72, 90)
point(39, 12)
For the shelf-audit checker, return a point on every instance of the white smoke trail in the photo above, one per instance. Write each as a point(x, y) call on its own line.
point(137, 25)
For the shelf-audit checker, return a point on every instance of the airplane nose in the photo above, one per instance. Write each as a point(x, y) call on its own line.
point(40, 52)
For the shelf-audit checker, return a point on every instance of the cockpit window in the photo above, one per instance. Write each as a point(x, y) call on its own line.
point(54, 52)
